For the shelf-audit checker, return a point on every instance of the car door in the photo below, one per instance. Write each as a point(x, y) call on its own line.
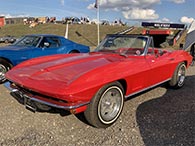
point(48, 46)
point(159, 71)
point(139, 75)
point(159, 67)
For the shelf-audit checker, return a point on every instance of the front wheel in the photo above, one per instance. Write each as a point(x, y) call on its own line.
point(106, 106)
point(4, 67)
point(178, 78)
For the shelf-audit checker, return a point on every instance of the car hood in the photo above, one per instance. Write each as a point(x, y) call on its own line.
point(61, 70)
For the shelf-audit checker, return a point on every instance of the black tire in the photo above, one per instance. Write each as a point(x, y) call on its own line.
point(178, 77)
point(4, 67)
point(106, 106)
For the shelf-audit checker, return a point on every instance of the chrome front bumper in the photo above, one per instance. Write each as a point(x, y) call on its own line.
point(30, 100)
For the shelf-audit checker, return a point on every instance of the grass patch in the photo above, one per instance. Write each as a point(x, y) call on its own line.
point(84, 34)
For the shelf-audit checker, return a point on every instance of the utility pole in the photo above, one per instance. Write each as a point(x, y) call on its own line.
point(97, 5)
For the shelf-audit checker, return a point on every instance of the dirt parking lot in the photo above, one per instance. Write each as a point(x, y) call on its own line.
point(159, 117)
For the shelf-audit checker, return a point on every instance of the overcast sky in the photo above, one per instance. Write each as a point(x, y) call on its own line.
point(130, 11)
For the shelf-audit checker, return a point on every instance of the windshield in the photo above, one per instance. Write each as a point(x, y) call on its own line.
point(28, 41)
point(123, 44)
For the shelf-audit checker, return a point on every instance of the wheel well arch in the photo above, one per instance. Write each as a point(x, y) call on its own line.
point(74, 51)
point(7, 60)
point(186, 63)
point(124, 84)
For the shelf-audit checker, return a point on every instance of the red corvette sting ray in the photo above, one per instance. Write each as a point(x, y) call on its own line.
point(97, 83)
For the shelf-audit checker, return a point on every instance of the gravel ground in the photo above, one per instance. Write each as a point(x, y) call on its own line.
point(159, 117)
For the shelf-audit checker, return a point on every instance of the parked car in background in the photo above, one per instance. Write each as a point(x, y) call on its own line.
point(98, 83)
point(31, 46)
point(105, 22)
point(71, 20)
point(7, 39)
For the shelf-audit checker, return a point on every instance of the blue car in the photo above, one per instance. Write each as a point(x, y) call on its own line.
point(31, 46)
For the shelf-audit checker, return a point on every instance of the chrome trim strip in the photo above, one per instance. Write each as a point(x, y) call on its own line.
point(58, 106)
point(146, 88)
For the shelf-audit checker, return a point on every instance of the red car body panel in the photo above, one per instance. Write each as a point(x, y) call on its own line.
point(76, 78)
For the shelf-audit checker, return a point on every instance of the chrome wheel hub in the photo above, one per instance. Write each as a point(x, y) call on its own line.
point(110, 105)
point(181, 75)
point(3, 70)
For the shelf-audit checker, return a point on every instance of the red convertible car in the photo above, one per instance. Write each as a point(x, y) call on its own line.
point(98, 83)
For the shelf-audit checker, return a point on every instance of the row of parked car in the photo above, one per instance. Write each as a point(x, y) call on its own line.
point(7, 39)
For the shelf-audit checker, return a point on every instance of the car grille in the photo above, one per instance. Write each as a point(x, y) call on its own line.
point(34, 94)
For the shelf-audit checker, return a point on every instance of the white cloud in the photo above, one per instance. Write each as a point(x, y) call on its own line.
point(165, 20)
point(178, 1)
point(13, 16)
point(91, 6)
point(140, 14)
point(186, 20)
point(131, 9)
point(120, 4)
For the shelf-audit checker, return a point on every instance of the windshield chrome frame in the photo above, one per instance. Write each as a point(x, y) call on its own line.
point(147, 45)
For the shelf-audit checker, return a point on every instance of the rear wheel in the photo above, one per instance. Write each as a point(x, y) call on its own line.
point(4, 67)
point(106, 106)
point(178, 78)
